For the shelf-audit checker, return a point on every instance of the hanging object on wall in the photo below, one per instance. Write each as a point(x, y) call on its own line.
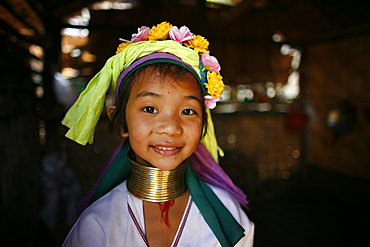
point(341, 119)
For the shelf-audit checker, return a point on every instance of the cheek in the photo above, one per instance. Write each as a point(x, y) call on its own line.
point(196, 130)
point(138, 129)
point(135, 123)
point(135, 128)
point(138, 139)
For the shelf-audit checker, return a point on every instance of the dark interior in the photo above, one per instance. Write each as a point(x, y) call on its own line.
point(302, 160)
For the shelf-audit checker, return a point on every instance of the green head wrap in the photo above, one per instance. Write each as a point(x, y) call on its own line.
point(83, 116)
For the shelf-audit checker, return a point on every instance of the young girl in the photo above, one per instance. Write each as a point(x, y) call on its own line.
point(163, 185)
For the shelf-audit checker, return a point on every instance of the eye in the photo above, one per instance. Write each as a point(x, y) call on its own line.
point(150, 109)
point(188, 112)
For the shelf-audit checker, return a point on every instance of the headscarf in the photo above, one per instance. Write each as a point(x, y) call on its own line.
point(83, 116)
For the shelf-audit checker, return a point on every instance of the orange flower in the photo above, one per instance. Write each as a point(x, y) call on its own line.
point(199, 44)
point(122, 46)
point(160, 32)
point(215, 84)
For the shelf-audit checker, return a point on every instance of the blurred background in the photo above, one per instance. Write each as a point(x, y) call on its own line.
point(294, 120)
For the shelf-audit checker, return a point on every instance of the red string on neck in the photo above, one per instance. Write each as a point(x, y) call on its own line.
point(164, 210)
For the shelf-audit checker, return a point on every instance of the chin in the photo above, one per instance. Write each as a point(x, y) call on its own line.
point(166, 167)
point(169, 166)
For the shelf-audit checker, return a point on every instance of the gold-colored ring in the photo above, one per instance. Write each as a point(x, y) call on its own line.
point(153, 184)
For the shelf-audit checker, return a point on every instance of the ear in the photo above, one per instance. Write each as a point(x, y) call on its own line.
point(110, 111)
point(123, 134)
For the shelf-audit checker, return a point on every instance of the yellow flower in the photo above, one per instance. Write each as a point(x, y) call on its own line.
point(160, 32)
point(199, 44)
point(215, 84)
point(122, 46)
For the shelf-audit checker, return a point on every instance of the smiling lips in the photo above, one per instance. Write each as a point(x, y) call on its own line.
point(166, 150)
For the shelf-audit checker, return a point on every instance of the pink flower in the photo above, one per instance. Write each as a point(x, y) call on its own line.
point(141, 35)
point(210, 101)
point(210, 62)
point(180, 35)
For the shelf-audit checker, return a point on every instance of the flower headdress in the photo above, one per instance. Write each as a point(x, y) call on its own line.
point(208, 65)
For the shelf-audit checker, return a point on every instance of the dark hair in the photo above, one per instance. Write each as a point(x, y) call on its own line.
point(118, 118)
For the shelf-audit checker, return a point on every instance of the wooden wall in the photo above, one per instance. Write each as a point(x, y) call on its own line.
point(333, 72)
point(19, 142)
point(262, 155)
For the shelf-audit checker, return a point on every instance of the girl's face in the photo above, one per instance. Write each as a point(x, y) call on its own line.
point(164, 119)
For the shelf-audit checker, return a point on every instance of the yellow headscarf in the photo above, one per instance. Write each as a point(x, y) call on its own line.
point(83, 116)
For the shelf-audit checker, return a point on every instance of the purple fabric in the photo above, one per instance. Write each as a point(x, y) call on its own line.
point(211, 172)
point(156, 55)
point(84, 203)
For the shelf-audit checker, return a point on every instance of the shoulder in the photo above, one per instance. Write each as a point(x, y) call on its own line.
point(95, 224)
point(237, 212)
point(227, 199)
point(108, 203)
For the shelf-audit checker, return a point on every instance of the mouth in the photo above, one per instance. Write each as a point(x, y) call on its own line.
point(167, 151)
point(165, 148)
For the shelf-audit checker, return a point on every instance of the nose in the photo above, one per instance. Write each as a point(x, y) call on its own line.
point(170, 124)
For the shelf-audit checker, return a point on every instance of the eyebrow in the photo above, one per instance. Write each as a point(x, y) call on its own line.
point(194, 97)
point(147, 93)
point(155, 95)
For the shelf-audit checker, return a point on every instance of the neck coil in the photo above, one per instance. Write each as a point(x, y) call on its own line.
point(153, 184)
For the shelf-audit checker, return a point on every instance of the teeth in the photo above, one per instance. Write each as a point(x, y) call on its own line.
point(165, 148)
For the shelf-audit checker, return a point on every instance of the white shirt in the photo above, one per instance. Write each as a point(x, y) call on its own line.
point(107, 222)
